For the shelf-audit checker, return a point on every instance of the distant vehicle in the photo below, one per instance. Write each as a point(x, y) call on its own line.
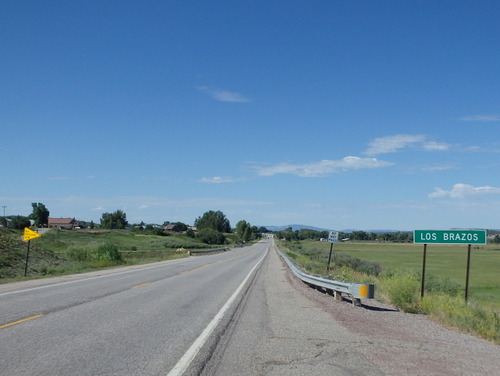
point(345, 239)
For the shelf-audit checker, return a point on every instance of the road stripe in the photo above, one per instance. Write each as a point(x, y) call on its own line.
point(20, 321)
point(201, 267)
point(85, 279)
point(212, 263)
point(191, 353)
point(141, 285)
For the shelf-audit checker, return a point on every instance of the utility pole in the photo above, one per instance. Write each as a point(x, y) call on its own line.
point(4, 206)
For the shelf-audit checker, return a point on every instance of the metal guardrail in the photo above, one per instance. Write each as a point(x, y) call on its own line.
point(356, 290)
point(218, 250)
point(206, 251)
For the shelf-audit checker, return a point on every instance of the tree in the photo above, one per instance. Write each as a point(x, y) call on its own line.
point(116, 220)
point(288, 234)
point(40, 214)
point(262, 230)
point(215, 220)
point(245, 231)
point(210, 236)
point(181, 226)
point(19, 222)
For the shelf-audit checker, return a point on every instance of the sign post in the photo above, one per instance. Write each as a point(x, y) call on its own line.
point(449, 237)
point(422, 288)
point(333, 237)
point(467, 274)
point(27, 236)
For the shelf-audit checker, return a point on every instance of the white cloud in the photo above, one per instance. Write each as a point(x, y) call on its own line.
point(438, 168)
point(438, 146)
point(481, 118)
point(391, 144)
point(218, 180)
point(322, 168)
point(463, 190)
point(224, 95)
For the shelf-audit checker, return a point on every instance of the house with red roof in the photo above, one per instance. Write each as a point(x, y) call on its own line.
point(63, 223)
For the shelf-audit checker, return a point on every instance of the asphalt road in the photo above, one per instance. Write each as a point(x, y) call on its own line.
point(135, 322)
point(235, 313)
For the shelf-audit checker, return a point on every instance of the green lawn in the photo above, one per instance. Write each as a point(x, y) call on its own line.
point(443, 261)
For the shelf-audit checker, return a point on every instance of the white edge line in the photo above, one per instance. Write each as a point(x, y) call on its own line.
point(191, 353)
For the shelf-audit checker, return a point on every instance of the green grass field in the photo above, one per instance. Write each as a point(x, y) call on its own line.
point(72, 251)
point(126, 240)
point(443, 261)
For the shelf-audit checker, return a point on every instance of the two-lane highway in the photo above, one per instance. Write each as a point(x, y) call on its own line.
point(137, 322)
point(236, 313)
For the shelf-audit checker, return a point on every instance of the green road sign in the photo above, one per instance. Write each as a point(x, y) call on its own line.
point(449, 236)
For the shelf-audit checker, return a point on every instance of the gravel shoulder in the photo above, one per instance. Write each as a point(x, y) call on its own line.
point(284, 327)
point(399, 343)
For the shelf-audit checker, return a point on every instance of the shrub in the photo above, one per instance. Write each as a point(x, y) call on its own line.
point(445, 286)
point(403, 291)
point(343, 274)
point(363, 266)
point(456, 312)
point(108, 252)
point(159, 232)
point(104, 253)
point(79, 254)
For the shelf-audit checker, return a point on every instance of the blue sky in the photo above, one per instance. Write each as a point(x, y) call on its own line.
point(335, 114)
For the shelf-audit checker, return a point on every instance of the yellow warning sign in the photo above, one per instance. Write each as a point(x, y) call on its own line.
point(30, 234)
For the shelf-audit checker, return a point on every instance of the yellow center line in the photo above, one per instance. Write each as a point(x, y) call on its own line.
point(20, 321)
point(211, 263)
point(201, 267)
point(141, 285)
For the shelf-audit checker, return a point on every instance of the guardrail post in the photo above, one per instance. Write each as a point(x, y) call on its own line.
point(337, 295)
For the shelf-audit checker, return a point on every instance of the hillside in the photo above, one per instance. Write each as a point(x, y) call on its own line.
point(13, 257)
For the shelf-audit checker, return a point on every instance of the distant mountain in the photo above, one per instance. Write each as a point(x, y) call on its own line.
point(381, 231)
point(350, 230)
point(300, 227)
point(295, 228)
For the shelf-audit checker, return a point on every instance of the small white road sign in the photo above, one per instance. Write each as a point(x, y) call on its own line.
point(333, 236)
